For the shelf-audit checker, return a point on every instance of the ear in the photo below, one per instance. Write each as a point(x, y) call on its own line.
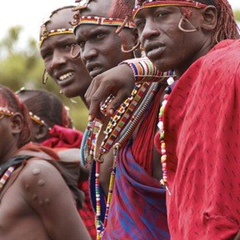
point(209, 18)
point(17, 123)
point(41, 132)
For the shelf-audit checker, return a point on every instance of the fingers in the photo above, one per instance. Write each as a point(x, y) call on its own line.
point(116, 102)
point(118, 81)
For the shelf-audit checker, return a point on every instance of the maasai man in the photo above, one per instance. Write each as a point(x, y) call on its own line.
point(52, 127)
point(136, 202)
point(199, 123)
point(36, 202)
point(56, 39)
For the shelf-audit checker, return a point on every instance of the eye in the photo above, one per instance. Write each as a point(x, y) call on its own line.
point(82, 44)
point(68, 46)
point(46, 54)
point(161, 14)
point(140, 23)
point(99, 35)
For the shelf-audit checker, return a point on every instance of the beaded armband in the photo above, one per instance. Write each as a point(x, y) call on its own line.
point(144, 70)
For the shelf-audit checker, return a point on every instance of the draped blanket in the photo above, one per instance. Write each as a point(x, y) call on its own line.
point(138, 208)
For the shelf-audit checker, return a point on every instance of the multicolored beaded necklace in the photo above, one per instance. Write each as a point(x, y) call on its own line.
point(118, 130)
point(163, 181)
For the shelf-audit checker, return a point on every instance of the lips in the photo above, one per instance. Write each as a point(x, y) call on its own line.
point(65, 76)
point(94, 69)
point(154, 50)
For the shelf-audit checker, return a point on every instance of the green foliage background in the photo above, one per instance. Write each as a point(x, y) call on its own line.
point(24, 67)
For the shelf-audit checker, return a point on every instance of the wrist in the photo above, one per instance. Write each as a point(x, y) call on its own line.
point(143, 70)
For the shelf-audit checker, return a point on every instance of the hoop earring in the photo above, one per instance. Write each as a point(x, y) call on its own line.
point(119, 28)
point(44, 77)
point(132, 49)
point(190, 24)
point(74, 48)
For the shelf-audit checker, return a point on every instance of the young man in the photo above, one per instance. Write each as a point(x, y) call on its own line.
point(136, 202)
point(56, 39)
point(200, 120)
point(32, 207)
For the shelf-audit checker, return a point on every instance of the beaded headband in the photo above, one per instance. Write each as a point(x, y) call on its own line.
point(5, 112)
point(44, 34)
point(38, 120)
point(151, 3)
point(95, 20)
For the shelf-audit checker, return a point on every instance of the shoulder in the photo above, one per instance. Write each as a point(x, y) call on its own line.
point(37, 172)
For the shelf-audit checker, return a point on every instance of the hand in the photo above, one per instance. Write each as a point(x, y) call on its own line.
point(118, 81)
point(237, 237)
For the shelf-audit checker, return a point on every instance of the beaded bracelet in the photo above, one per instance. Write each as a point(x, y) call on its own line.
point(144, 70)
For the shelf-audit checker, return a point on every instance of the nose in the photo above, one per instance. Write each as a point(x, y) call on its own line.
point(58, 59)
point(149, 31)
point(89, 52)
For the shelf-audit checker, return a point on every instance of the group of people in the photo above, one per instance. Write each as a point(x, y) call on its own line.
point(159, 156)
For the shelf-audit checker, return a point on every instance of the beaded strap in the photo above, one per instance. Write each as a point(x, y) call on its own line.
point(6, 176)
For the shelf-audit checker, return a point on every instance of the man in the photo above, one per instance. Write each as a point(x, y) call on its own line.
point(32, 207)
point(136, 202)
point(197, 39)
point(56, 39)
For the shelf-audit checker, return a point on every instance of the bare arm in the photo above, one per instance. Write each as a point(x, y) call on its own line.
point(119, 81)
point(237, 237)
point(72, 155)
point(48, 195)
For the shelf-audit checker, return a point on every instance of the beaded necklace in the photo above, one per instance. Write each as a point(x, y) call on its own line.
point(117, 134)
point(118, 130)
point(163, 181)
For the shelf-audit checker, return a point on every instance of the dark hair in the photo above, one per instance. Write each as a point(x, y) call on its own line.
point(46, 105)
point(9, 100)
point(121, 9)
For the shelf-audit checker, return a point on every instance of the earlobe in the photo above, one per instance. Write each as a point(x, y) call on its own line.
point(209, 18)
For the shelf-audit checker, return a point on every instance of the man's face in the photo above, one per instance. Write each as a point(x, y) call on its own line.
point(101, 47)
point(165, 44)
point(68, 72)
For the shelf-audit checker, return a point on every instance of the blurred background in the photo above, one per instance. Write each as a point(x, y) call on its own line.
point(20, 62)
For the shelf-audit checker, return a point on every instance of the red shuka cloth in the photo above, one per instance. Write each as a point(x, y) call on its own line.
point(63, 138)
point(202, 134)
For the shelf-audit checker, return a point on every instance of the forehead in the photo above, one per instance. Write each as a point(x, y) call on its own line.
point(88, 30)
point(61, 19)
point(101, 8)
